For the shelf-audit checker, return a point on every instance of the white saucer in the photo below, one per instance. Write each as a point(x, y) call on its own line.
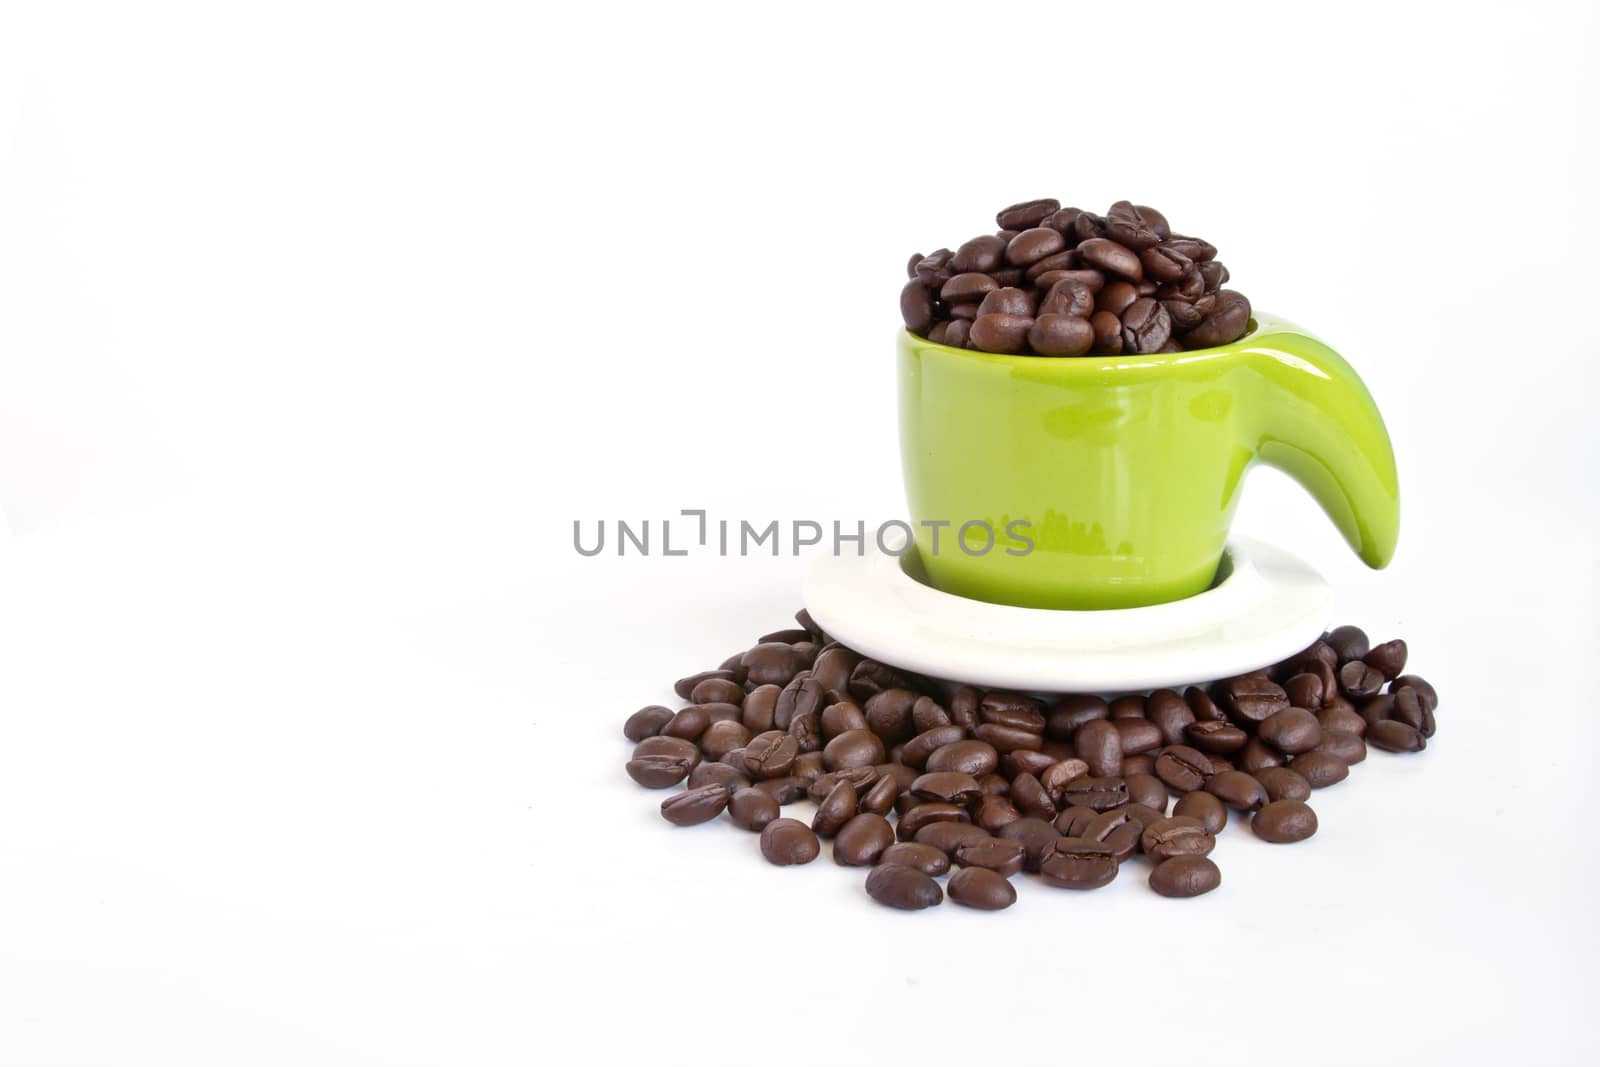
point(1268, 606)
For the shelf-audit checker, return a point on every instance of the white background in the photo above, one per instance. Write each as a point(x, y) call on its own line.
point(319, 324)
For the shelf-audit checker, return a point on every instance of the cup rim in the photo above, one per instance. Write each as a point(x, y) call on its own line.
point(1261, 324)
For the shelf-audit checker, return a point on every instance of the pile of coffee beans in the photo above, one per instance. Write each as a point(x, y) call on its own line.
point(1057, 281)
point(912, 780)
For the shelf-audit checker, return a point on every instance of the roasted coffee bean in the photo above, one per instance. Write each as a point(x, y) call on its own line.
point(1056, 777)
point(841, 718)
point(717, 691)
point(979, 255)
point(967, 757)
point(808, 765)
point(1052, 264)
point(1291, 731)
point(688, 724)
point(871, 678)
point(1170, 714)
point(969, 287)
point(1205, 709)
point(926, 714)
point(1007, 301)
point(916, 306)
point(1360, 680)
point(1138, 736)
point(1070, 713)
point(1118, 829)
point(722, 738)
point(789, 842)
point(1348, 642)
point(1407, 708)
point(1099, 793)
point(1136, 226)
point(1304, 690)
point(928, 813)
point(1113, 257)
point(1099, 744)
point(1107, 333)
point(785, 790)
point(832, 672)
point(1237, 790)
point(879, 800)
point(1165, 264)
point(905, 888)
point(684, 686)
point(1210, 811)
point(1145, 326)
point(1078, 863)
point(1221, 763)
point(903, 776)
point(862, 840)
point(1184, 769)
point(1215, 738)
point(950, 836)
point(994, 785)
point(1224, 325)
point(1031, 245)
point(1143, 763)
point(1074, 820)
point(1256, 755)
point(1343, 745)
point(994, 813)
point(1284, 822)
point(802, 694)
point(1004, 334)
point(752, 809)
point(1060, 335)
point(717, 774)
point(1179, 835)
point(1283, 783)
point(1030, 797)
point(1253, 698)
point(1114, 299)
point(1003, 857)
point(1389, 659)
point(1212, 274)
point(646, 722)
point(951, 787)
point(720, 712)
point(1026, 214)
point(982, 888)
point(695, 806)
point(1036, 836)
point(836, 809)
point(862, 778)
point(658, 772)
point(1006, 739)
point(1339, 715)
point(1394, 736)
point(1069, 296)
point(1425, 691)
point(1147, 790)
point(1012, 709)
point(889, 714)
point(1185, 876)
point(1034, 761)
point(853, 748)
point(1088, 225)
point(758, 708)
point(925, 858)
point(770, 755)
point(806, 729)
point(667, 746)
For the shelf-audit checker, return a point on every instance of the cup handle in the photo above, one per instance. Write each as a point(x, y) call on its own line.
point(1319, 425)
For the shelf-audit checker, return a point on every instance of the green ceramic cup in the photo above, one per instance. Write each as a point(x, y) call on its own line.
point(1110, 482)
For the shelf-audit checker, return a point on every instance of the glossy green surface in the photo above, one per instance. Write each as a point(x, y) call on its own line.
point(1127, 469)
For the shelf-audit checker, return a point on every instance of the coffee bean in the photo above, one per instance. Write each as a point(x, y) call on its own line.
point(1147, 790)
point(803, 694)
point(1183, 768)
point(1341, 716)
point(980, 255)
point(1034, 244)
point(1070, 713)
point(1283, 783)
point(853, 748)
point(1030, 797)
point(1146, 326)
point(1179, 835)
point(1099, 744)
point(916, 306)
point(1099, 793)
point(1056, 777)
point(1291, 731)
point(971, 287)
point(752, 809)
point(889, 714)
point(1215, 738)
point(807, 765)
point(927, 813)
point(950, 836)
point(1074, 820)
point(770, 755)
point(1185, 876)
point(1305, 691)
point(925, 858)
point(1224, 325)
point(1425, 691)
point(1256, 755)
point(785, 790)
point(1036, 836)
point(1284, 822)
point(1393, 736)
point(717, 691)
point(862, 840)
point(1136, 226)
point(1237, 790)
point(995, 813)
point(687, 724)
point(1205, 709)
point(999, 855)
point(646, 722)
point(1348, 642)
point(1165, 264)
point(982, 888)
point(1117, 829)
point(879, 800)
point(1005, 739)
point(1210, 811)
point(967, 757)
point(717, 774)
point(1026, 214)
point(759, 705)
point(806, 729)
point(722, 738)
point(841, 718)
point(1138, 736)
point(1252, 698)
point(1111, 256)
point(1078, 863)
point(905, 888)
point(1060, 335)
point(836, 809)
point(1343, 745)
point(1389, 659)
point(695, 806)
point(951, 787)
point(1005, 334)
point(1007, 301)
point(789, 842)
point(1360, 680)
point(658, 772)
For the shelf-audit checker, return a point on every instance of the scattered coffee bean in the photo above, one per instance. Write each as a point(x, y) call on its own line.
point(752, 809)
point(981, 888)
point(925, 858)
point(862, 840)
point(1212, 812)
point(1284, 822)
point(1283, 783)
point(789, 842)
point(1185, 876)
point(1178, 835)
point(906, 888)
point(695, 806)
point(1078, 863)
point(1320, 769)
point(1237, 790)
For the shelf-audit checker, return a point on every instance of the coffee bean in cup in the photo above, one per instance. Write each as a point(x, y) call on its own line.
point(1062, 283)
